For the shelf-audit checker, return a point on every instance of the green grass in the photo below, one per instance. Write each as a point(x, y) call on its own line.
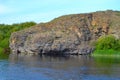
point(106, 53)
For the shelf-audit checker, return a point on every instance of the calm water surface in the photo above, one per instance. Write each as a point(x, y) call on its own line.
point(59, 68)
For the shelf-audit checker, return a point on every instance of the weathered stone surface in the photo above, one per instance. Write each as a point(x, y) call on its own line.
point(71, 34)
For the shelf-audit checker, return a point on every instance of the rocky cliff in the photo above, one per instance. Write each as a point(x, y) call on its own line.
point(69, 34)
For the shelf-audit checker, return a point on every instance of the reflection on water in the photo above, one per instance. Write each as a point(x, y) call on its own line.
point(59, 68)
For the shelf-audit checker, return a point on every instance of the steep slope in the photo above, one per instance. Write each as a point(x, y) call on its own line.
point(70, 34)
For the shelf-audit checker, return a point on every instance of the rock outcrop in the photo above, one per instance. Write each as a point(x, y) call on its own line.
point(70, 34)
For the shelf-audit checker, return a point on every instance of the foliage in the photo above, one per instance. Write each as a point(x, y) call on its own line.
point(107, 45)
point(5, 32)
point(108, 42)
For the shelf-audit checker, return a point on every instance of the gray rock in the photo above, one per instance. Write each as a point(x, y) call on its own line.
point(71, 34)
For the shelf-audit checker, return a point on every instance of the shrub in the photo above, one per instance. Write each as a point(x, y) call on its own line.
point(4, 43)
point(5, 32)
point(1, 50)
point(107, 42)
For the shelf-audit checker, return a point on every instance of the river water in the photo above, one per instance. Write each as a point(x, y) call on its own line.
point(59, 68)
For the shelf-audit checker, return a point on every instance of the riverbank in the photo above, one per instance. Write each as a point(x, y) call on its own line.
point(106, 53)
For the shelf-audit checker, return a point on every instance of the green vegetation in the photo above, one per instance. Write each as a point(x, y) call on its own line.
point(107, 45)
point(5, 32)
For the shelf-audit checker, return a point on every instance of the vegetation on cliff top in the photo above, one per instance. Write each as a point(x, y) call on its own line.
point(5, 32)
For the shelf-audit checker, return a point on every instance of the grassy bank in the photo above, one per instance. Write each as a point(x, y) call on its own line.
point(106, 53)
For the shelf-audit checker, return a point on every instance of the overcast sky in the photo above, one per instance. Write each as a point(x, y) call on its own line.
point(16, 11)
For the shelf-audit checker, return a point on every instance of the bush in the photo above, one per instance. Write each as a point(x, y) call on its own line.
point(1, 50)
point(107, 45)
point(2, 54)
point(107, 42)
point(4, 43)
point(5, 32)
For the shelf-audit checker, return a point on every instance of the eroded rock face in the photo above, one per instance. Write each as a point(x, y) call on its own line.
point(71, 34)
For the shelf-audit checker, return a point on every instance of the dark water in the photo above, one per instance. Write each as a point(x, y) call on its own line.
point(60, 68)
